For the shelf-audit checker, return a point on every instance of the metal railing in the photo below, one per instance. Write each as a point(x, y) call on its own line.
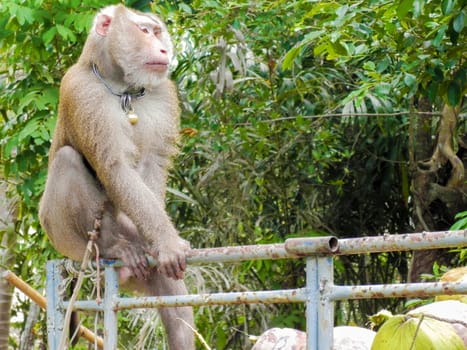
point(318, 295)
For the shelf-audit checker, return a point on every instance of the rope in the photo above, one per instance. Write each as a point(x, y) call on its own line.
point(93, 235)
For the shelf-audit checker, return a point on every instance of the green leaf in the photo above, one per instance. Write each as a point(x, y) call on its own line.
point(82, 22)
point(290, 57)
point(66, 33)
point(47, 97)
point(418, 7)
point(404, 7)
point(459, 225)
point(10, 147)
point(459, 22)
point(296, 50)
point(461, 77)
point(185, 8)
point(383, 65)
point(24, 14)
point(454, 93)
point(440, 36)
point(447, 6)
point(30, 127)
point(369, 66)
point(433, 91)
point(338, 48)
point(409, 79)
point(383, 90)
point(341, 11)
point(27, 99)
point(49, 35)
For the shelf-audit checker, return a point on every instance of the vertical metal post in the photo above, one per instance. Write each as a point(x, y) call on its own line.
point(110, 314)
point(55, 311)
point(311, 304)
point(325, 305)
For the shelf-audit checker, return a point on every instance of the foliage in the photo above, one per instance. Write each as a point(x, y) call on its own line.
point(461, 222)
point(280, 135)
point(403, 48)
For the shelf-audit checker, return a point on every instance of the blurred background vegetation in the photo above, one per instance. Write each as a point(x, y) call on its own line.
point(300, 118)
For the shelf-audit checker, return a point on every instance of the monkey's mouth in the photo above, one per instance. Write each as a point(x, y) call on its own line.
point(157, 66)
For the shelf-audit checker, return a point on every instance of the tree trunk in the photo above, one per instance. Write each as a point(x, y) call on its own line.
point(7, 241)
point(438, 186)
point(27, 336)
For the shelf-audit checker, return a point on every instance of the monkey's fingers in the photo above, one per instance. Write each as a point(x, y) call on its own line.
point(141, 269)
point(182, 263)
point(166, 269)
point(137, 263)
point(169, 267)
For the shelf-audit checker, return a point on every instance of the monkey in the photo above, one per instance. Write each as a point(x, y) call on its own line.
point(116, 135)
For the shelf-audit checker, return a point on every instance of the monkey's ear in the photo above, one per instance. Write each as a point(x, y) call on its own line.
point(102, 24)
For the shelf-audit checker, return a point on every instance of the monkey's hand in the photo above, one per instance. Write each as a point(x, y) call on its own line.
point(171, 256)
point(133, 256)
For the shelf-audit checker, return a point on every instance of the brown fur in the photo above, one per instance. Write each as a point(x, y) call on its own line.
point(125, 178)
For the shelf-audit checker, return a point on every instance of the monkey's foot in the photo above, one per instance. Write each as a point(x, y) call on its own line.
point(133, 257)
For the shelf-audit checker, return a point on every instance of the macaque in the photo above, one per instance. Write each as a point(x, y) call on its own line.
point(117, 130)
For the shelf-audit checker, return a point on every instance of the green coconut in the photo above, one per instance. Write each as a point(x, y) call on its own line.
point(458, 274)
point(416, 332)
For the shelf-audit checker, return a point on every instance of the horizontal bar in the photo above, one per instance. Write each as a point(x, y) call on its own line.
point(285, 296)
point(294, 248)
point(305, 246)
point(398, 290)
point(262, 297)
point(224, 254)
point(239, 253)
point(84, 305)
point(252, 252)
point(402, 242)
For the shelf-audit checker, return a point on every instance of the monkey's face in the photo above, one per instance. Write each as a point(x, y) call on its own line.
point(140, 45)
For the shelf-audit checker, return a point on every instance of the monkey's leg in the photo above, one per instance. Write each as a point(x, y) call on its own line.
point(179, 334)
point(72, 201)
point(69, 204)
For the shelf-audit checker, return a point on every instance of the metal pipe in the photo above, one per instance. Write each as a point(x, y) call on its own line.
point(110, 314)
point(325, 306)
point(294, 248)
point(315, 245)
point(55, 312)
point(398, 290)
point(402, 242)
point(311, 303)
point(264, 297)
point(285, 296)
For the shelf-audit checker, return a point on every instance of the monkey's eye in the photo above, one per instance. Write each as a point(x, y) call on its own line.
point(144, 29)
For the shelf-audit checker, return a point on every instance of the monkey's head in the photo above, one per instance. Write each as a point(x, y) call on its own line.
point(134, 47)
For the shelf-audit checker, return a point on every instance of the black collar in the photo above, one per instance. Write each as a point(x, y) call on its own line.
point(125, 97)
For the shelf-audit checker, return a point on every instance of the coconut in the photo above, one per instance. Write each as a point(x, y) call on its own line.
point(450, 311)
point(345, 338)
point(416, 332)
point(458, 274)
point(352, 338)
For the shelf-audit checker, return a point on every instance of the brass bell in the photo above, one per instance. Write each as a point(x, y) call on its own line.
point(132, 117)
